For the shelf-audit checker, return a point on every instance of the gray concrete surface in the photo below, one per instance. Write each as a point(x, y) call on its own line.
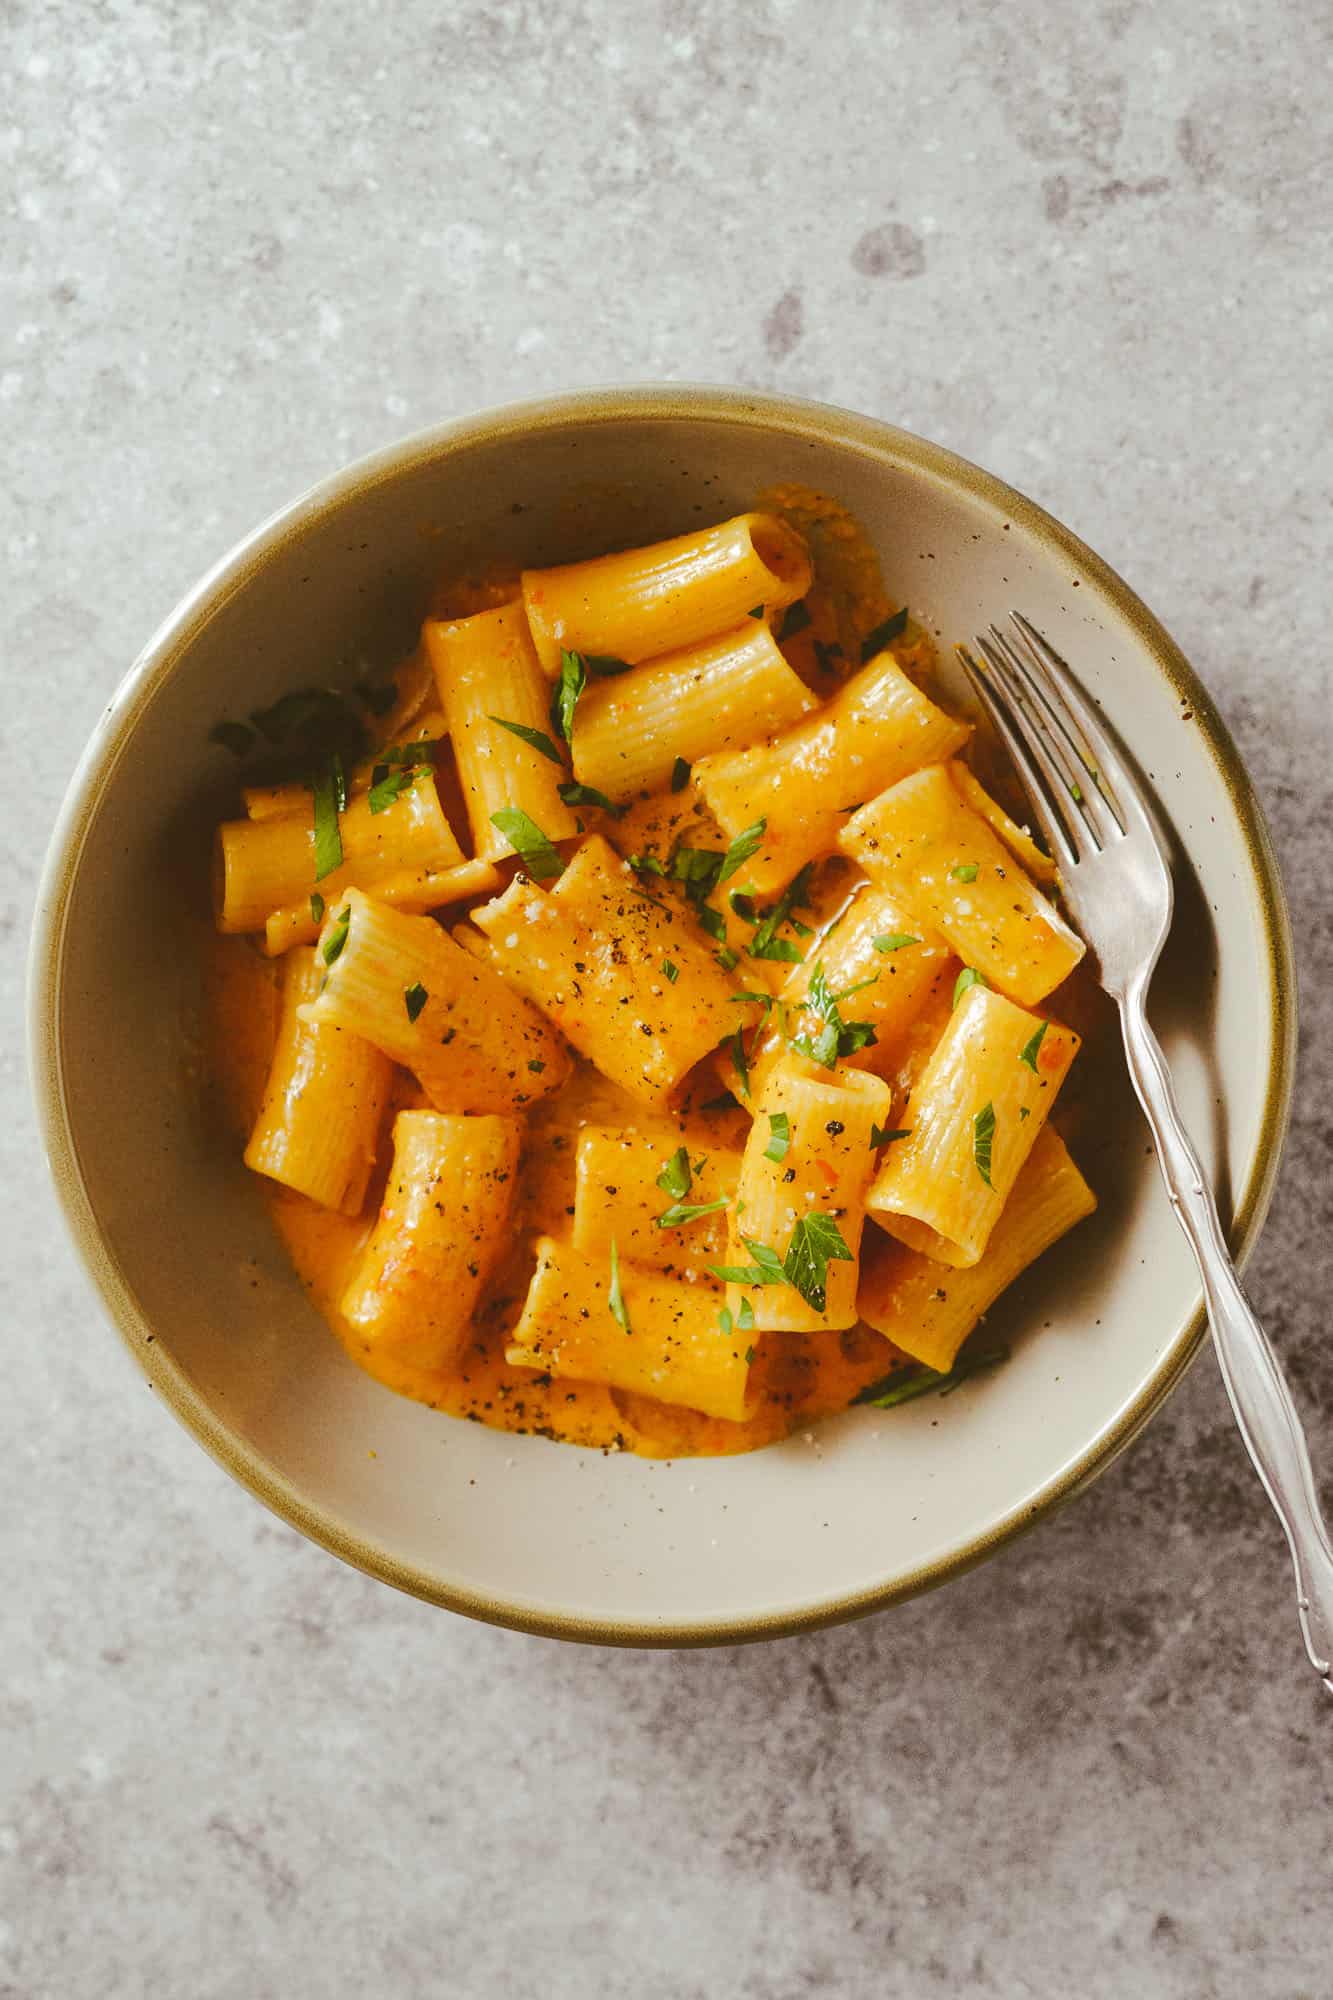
point(1087, 247)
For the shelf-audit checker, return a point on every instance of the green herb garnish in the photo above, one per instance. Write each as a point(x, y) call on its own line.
point(749, 1355)
point(670, 972)
point(779, 1136)
point(966, 980)
point(755, 611)
point(385, 790)
point(884, 634)
point(741, 848)
point(727, 958)
point(816, 1242)
point(983, 1138)
point(735, 1045)
point(966, 871)
point(644, 864)
point(1028, 1053)
point(536, 739)
point(879, 1136)
point(529, 842)
point(337, 937)
point(724, 1319)
point(606, 665)
point(330, 795)
point(794, 620)
point(745, 1319)
point(564, 700)
point(674, 1178)
point(681, 1212)
point(894, 941)
point(765, 1270)
point(904, 1385)
point(834, 1036)
point(766, 943)
point(415, 997)
point(588, 795)
point(615, 1298)
point(316, 908)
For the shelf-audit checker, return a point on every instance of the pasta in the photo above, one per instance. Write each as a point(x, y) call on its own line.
point(929, 1312)
point(398, 981)
point(983, 1097)
point(591, 953)
point(636, 1330)
point(631, 729)
point(717, 1053)
point(921, 838)
point(319, 1124)
point(439, 1233)
point(653, 600)
point(805, 783)
point(488, 678)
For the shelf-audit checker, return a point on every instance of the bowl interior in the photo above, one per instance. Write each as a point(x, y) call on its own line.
point(873, 1504)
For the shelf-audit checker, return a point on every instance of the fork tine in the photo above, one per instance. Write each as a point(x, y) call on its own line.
point(1042, 749)
point(1106, 765)
point(1042, 705)
point(1029, 770)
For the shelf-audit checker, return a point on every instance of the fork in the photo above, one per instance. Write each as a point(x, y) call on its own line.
point(1117, 884)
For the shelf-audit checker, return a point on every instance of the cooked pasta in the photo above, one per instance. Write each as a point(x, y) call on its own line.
point(575, 1124)
point(921, 838)
point(983, 1097)
point(929, 1312)
point(632, 1328)
point(495, 700)
point(630, 730)
point(642, 602)
point(439, 1233)
point(805, 783)
point(319, 1123)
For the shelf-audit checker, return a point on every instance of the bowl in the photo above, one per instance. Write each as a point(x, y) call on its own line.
point(871, 1507)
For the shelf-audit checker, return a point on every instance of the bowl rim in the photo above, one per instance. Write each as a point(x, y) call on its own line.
point(587, 408)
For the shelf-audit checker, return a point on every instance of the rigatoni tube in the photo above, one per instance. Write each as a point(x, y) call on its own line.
point(440, 1230)
point(664, 1339)
point(619, 1198)
point(920, 837)
point(808, 1156)
point(319, 1122)
point(485, 667)
point(804, 783)
point(929, 1312)
point(473, 1043)
point(641, 602)
point(718, 694)
point(982, 1098)
point(263, 865)
point(591, 953)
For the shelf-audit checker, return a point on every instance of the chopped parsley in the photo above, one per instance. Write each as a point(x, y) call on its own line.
point(724, 1319)
point(573, 679)
point(904, 1385)
point(745, 1317)
point(388, 784)
point(615, 1298)
point(674, 1178)
point(966, 871)
point(749, 1357)
point(644, 864)
point(681, 1212)
point(795, 619)
point(1028, 1053)
point(779, 1136)
point(983, 1138)
point(816, 1242)
point(741, 848)
point(966, 980)
point(588, 795)
point(670, 972)
point(765, 1270)
point(316, 908)
point(330, 794)
point(680, 775)
point(605, 665)
point(834, 1036)
point(884, 634)
point(735, 1046)
point(727, 958)
point(536, 739)
point(879, 1136)
point(415, 997)
point(337, 937)
point(755, 611)
point(527, 840)
point(766, 943)
point(536, 1065)
point(894, 941)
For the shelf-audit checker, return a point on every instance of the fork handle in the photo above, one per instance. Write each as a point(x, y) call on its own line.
point(1255, 1385)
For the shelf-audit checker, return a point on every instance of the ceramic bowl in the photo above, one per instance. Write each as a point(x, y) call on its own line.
point(873, 1506)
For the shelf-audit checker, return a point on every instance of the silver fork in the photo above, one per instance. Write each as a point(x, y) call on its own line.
point(1117, 883)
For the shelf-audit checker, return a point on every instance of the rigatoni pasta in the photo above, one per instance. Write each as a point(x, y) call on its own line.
point(706, 1059)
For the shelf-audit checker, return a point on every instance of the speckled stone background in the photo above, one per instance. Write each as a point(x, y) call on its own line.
point(1087, 246)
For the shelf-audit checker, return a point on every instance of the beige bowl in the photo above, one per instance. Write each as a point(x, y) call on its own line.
point(872, 1507)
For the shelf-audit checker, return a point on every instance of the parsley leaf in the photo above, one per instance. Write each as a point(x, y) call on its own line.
point(644, 864)
point(316, 908)
point(834, 1037)
point(983, 1138)
point(670, 972)
point(615, 1298)
point(766, 943)
point(680, 775)
point(904, 1385)
point(765, 1270)
point(674, 1178)
point(588, 795)
point(337, 937)
point(389, 788)
point(880, 1136)
point(735, 1045)
point(573, 679)
point(1028, 1053)
point(606, 665)
point(795, 619)
point(233, 736)
point(727, 958)
point(527, 840)
point(330, 793)
point(779, 1136)
point(894, 941)
point(756, 611)
point(966, 871)
point(741, 848)
point(745, 1317)
point(816, 1242)
point(749, 1357)
point(415, 997)
point(884, 634)
point(536, 739)
point(966, 980)
point(682, 1211)
point(724, 1319)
